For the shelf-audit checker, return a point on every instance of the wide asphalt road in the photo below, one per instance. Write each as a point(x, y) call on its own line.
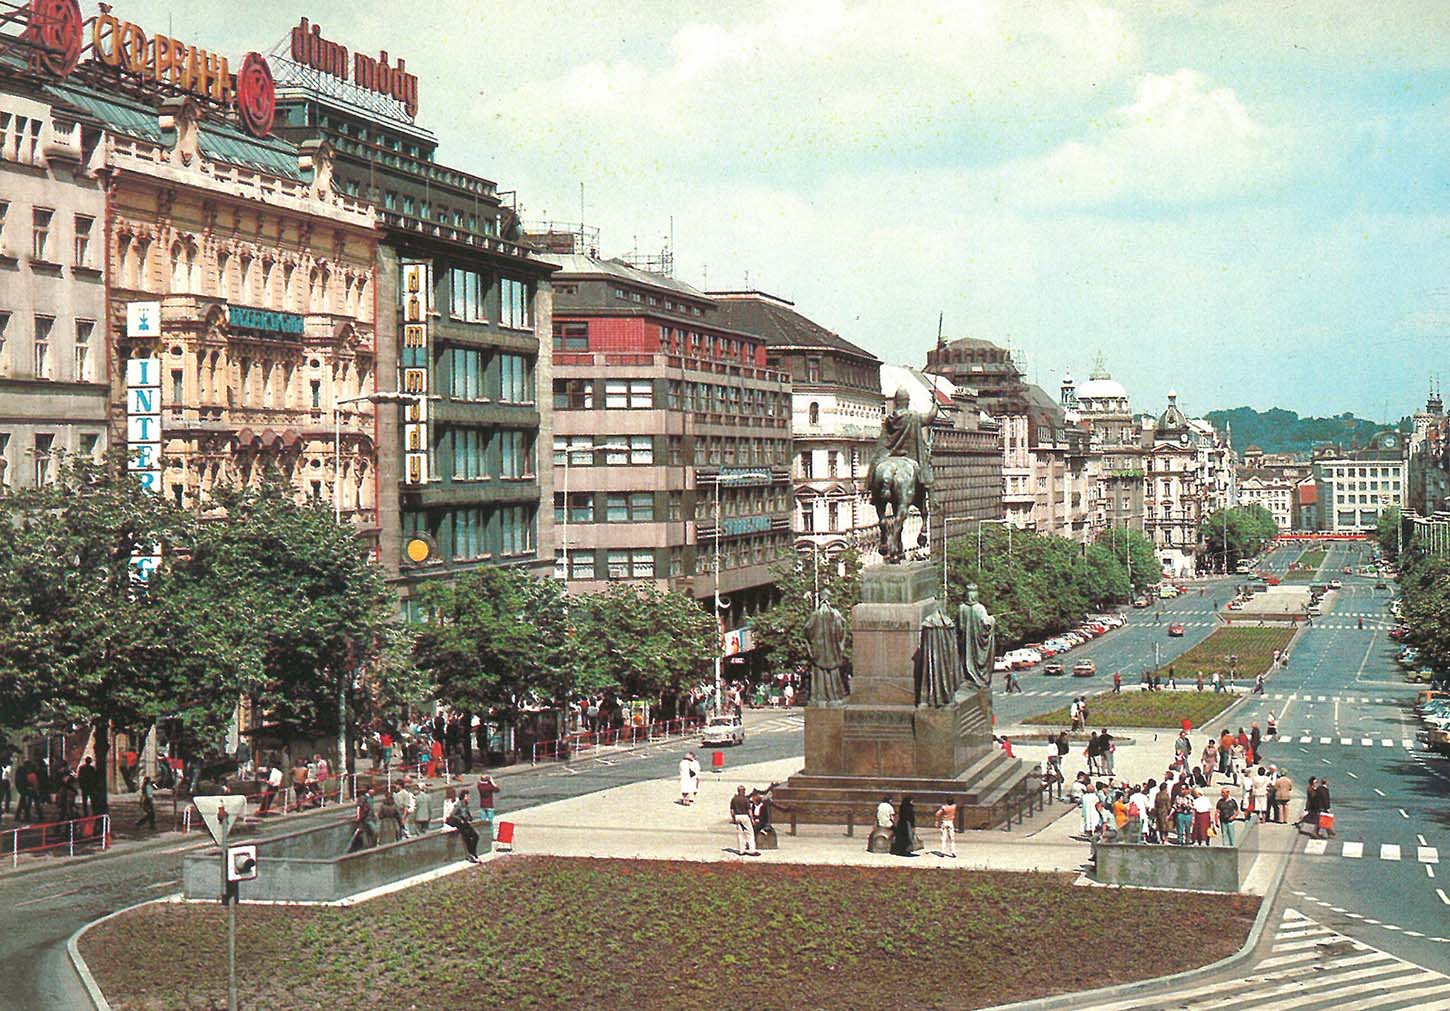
point(1345, 713)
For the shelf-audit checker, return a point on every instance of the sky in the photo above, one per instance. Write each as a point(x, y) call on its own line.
point(1243, 201)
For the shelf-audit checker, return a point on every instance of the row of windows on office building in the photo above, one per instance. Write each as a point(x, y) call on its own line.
point(672, 394)
point(652, 563)
point(42, 454)
point(480, 375)
point(653, 506)
point(477, 454)
point(476, 533)
point(474, 298)
point(673, 451)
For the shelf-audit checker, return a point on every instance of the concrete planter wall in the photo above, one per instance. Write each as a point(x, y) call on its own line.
point(311, 866)
point(1212, 868)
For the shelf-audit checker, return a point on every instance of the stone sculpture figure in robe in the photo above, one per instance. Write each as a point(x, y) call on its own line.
point(826, 645)
point(938, 665)
point(977, 632)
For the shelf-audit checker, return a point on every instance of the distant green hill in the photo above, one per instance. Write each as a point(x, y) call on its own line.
point(1279, 431)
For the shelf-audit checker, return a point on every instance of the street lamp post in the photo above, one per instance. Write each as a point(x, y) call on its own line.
point(378, 397)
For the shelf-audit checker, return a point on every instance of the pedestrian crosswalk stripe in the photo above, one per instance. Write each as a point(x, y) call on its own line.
point(1389, 851)
point(1427, 854)
point(1306, 740)
point(1353, 850)
point(1316, 847)
point(1387, 743)
point(1366, 742)
point(1346, 740)
point(1323, 740)
point(1309, 965)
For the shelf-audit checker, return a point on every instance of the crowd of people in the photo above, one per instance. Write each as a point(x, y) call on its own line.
point(408, 810)
point(1199, 798)
point(34, 785)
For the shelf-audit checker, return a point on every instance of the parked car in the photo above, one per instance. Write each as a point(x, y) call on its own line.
point(1335, 584)
point(1084, 669)
point(723, 730)
point(1176, 629)
point(1053, 668)
point(1399, 632)
point(1001, 664)
point(1420, 677)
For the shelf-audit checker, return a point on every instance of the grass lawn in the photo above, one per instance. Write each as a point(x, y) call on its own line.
point(1134, 708)
point(1254, 647)
point(541, 932)
point(1305, 568)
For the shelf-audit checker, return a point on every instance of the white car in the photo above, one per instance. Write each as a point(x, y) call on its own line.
point(723, 730)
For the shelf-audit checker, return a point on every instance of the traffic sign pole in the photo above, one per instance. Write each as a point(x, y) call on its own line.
point(228, 901)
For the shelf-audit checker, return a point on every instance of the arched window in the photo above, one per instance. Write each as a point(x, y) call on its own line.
point(180, 268)
point(223, 281)
point(287, 272)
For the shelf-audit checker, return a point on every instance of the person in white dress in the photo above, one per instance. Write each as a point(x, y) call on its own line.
point(689, 778)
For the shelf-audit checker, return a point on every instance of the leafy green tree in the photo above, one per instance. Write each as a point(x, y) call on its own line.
point(641, 641)
point(1425, 599)
point(780, 629)
point(316, 625)
point(1387, 532)
point(1242, 532)
point(82, 641)
point(496, 639)
point(1135, 553)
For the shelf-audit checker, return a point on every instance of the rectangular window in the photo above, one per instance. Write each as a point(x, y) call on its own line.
point(571, 336)
point(642, 563)
point(43, 459)
point(573, 395)
point(616, 509)
point(514, 303)
point(641, 507)
point(89, 445)
point(515, 379)
point(468, 529)
point(616, 451)
point(465, 380)
point(581, 565)
point(40, 233)
point(470, 454)
point(515, 454)
point(43, 327)
point(581, 507)
point(641, 393)
point(84, 330)
point(465, 295)
point(517, 529)
point(579, 447)
point(177, 387)
point(806, 469)
point(641, 449)
point(619, 565)
point(616, 394)
point(83, 240)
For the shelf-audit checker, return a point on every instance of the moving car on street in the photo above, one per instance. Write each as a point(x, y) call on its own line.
point(1084, 669)
point(1176, 629)
point(723, 730)
point(1053, 668)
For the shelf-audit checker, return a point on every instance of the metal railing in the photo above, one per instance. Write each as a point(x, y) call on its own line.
point(564, 748)
point(45, 836)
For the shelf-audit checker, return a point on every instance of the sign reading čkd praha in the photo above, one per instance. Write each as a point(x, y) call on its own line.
point(415, 292)
point(143, 418)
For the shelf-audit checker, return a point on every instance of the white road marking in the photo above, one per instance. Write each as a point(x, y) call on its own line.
point(1439, 891)
point(1316, 847)
point(1346, 740)
point(1306, 740)
point(1427, 855)
point(1324, 740)
point(1379, 791)
point(1429, 870)
point(1353, 850)
point(1389, 851)
point(1420, 839)
point(1350, 774)
point(1365, 742)
point(1387, 743)
point(1403, 814)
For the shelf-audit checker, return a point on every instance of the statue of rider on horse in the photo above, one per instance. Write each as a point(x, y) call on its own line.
point(900, 472)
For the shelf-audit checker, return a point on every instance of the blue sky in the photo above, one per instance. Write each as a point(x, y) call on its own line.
point(1245, 201)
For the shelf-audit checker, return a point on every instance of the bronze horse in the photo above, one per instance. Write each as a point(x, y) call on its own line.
point(894, 483)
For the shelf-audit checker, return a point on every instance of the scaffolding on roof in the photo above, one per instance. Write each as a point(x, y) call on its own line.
point(291, 75)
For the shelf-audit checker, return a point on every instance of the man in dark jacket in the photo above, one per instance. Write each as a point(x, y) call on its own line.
point(1321, 808)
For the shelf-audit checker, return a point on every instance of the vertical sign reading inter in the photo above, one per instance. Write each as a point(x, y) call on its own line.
point(414, 295)
point(143, 442)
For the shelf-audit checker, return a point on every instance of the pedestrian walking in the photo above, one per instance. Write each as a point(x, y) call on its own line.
point(1209, 760)
point(423, 808)
point(364, 823)
point(1280, 796)
point(1117, 682)
point(487, 791)
point(148, 804)
point(88, 778)
point(744, 826)
point(946, 823)
point(689, 778)
point(1324, 821)
point(1202, 817)
point(6, 772)
point(1311, 803)
point(1107, 752)
point(1273, 726)
point(408, 807)
point(390, 819)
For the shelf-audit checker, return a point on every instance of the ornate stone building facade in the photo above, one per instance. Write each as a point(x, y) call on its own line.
point(264, 277)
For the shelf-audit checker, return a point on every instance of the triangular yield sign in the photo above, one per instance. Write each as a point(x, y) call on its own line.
point(235, 805)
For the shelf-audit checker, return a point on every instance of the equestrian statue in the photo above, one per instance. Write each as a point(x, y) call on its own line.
point(900, 472)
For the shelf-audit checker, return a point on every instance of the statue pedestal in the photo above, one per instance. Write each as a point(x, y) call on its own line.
point(880, 741)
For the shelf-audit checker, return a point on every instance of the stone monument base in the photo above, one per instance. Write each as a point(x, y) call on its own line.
point(880, 741)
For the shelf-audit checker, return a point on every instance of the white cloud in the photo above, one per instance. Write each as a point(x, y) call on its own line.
point(1180, 140)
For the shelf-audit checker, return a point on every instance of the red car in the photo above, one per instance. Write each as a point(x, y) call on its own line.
point(1399, 632)
point(1175, 629)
